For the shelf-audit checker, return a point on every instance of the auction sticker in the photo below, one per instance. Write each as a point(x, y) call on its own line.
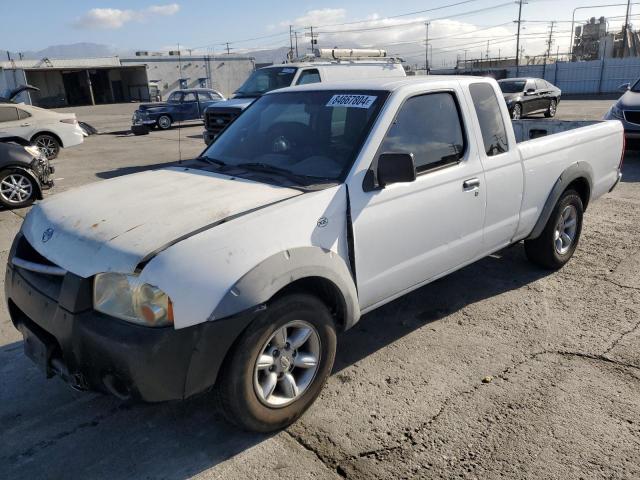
point(352, 101)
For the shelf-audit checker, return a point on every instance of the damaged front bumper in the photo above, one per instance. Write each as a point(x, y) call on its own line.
point(65, 336)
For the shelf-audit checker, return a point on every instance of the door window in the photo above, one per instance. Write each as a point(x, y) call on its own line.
point(430, 128)
point(541, 85)
point(309, 76)
point(494, 133)
point(189, 97)
point(22, 114)
point(531, 85)
point(8, 114)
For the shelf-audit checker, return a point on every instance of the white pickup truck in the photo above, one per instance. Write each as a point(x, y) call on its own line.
point(318, 204)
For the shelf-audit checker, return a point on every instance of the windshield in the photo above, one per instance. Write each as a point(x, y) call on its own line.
point(266, 79)
point(512, 87)
point(308, 134)
point(175, 97)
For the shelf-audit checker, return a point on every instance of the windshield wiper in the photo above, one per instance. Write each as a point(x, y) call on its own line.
point(266, 168)
point(213, 161)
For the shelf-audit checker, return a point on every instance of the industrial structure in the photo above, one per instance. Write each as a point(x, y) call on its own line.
point(144, 77)
point(592, 41)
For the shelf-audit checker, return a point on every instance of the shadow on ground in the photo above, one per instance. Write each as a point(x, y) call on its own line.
point(178, 440)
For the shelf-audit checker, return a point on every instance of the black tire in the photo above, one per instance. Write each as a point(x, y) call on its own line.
point(551, 111)
point(49, 145)
point(544, 250)
point(10, 177)
point(164, 122)
point(516, 112)
point(238, 398)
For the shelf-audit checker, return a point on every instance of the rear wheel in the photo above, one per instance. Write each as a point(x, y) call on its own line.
point(17, 189)
point(279, 365)
point(553, 107)
point(164, 122)
point(559, 239)
point(48, 144)
point(516, 112)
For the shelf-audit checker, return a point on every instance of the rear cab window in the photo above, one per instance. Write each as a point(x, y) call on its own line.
point(428, 126)
point(490, 118)
point(309, 76)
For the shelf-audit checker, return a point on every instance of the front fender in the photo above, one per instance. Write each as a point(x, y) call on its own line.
point(276, 272)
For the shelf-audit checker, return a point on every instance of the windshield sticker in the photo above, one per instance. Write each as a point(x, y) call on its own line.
point(287, 70)
point(352, 101)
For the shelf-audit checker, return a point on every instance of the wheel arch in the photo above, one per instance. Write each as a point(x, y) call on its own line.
point(47, 132)
point(577, 177)
point(310, 269)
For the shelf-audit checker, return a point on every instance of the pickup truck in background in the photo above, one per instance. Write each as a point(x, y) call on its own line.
point(317, 205)
point(182, 105)
point(326, 65)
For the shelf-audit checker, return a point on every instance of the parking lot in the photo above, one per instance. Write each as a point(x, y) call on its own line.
point(500, 370)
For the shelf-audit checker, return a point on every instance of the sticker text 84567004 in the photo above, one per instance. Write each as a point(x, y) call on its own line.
point(351, 101)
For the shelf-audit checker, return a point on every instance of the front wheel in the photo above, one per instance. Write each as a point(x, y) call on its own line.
point(516, 112)
point(553, 107)
point(279, 365)
point(164, 122)
point(17, 189)
point(559, 239)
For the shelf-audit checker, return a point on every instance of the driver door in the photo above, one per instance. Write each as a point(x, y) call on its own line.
point(189, 107)
point(406, 234)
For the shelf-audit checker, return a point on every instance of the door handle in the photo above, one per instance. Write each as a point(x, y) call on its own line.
point(471, 185)
point(25, 125)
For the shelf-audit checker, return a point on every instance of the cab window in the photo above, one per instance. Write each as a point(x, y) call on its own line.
point(309, 76)
point(487, 106)
point(189, 97)
point(429, 127)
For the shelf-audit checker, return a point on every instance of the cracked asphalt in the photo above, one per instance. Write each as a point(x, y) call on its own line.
point(500, 370)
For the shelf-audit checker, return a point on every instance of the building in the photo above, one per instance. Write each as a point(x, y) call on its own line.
point(90, 81)
point(592, 41)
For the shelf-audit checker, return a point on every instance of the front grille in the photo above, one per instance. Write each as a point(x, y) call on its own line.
point(49, 285)
point(217, 120)
point(632, 116)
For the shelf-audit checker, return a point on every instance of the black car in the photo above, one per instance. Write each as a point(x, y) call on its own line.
point(24, 173)
point(525, 96)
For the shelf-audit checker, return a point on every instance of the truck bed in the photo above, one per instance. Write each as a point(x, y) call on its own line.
point(531, 129)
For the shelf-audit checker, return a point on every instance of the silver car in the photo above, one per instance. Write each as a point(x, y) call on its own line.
point(627, 110)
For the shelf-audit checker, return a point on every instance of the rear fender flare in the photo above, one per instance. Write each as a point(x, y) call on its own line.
point(273, 274)
point(573, 172)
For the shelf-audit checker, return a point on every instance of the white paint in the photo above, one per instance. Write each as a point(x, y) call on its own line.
point(41, 120)
point(405, 235)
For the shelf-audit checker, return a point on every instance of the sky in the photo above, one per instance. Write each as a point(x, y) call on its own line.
point(249, 25)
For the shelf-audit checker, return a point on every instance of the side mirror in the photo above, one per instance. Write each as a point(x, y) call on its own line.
point(396, 168)
point(624, 87)
point(530, 91)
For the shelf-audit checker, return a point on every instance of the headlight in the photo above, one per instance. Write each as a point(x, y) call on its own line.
point(616, 112)
point(128, 298)
point(34, 151)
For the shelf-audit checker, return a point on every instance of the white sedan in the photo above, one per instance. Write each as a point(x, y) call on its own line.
point(46, 129)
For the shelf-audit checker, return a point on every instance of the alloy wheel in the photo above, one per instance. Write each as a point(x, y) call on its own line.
point(16, 188)
point(287, 364)
point(47, 146)
point(565, 231)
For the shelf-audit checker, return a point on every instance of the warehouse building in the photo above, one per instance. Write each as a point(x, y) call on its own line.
point(143, 78)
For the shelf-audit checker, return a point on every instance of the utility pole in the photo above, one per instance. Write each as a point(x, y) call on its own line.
point(290, 42)
point(488, 53)
point(296, 36)
point(465, 59)
point(426, 49)
point(549, 43)
point(518, 37)
point(626, 29)
point(313, 40)
point(228, 52)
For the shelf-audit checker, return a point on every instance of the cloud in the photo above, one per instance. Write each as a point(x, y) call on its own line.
point(324, 16)
point(114, 18)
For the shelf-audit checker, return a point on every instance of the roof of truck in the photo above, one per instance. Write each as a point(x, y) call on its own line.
point(387, 83)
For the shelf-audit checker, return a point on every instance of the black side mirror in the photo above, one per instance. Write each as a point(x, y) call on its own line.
point(624, 87)
point(530, 91)
point(396, 168)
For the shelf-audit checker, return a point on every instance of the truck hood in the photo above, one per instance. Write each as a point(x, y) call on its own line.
point(114, 224)
point(629, 101)
point(240, 103)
